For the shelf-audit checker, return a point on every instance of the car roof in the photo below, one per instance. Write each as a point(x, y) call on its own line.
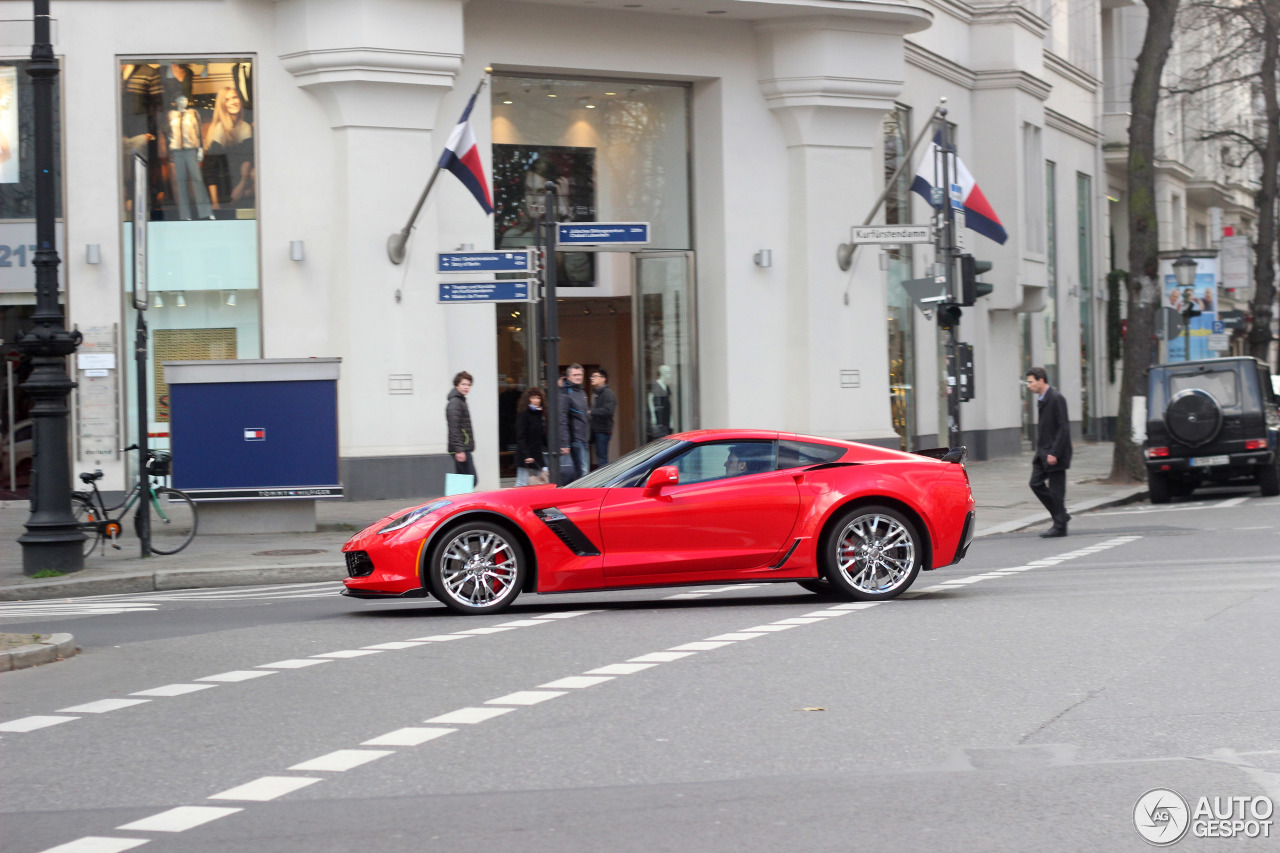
point(771, 435)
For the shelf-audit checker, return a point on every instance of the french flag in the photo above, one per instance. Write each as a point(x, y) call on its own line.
point(978, 213)
point(462, 157)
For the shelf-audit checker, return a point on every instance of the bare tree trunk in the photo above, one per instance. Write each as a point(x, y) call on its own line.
point(1264, 273)
point(1144, 280)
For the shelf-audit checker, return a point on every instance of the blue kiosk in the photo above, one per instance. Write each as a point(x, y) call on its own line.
point(255, 441)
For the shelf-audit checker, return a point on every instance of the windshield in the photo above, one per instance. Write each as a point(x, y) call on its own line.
point(605, 476)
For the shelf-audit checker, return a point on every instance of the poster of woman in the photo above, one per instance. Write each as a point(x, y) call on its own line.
point(9, 154)
point(520, 177)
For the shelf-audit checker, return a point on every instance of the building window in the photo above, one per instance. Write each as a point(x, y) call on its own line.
point(1033, 181)
point(191, 123)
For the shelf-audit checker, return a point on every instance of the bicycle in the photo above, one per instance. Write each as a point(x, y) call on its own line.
point(173, 524)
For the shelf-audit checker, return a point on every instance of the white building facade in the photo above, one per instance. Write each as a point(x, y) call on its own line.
point(287, 140)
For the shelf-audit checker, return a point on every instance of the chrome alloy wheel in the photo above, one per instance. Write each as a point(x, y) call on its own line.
point(875, 553)
point(478, 568)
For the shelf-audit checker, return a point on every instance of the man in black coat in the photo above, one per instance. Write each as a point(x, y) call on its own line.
point(1053, 452)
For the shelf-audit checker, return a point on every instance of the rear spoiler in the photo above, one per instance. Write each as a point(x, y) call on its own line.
point(946, 454)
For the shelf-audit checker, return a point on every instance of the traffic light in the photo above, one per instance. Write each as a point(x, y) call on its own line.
point(970, 287)
point(949, 314)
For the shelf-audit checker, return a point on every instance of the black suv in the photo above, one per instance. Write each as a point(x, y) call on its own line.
point(1211, 421)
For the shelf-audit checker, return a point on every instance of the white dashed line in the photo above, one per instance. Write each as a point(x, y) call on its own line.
point(823, 614)
point(180, 819)
point(620, 668)
point(174, 690)
point(734, 637)
point(660, 657)
point(438, 638)
point(525, 697)
point(102, 706)
point(576, 682)
point(238, 675)
point(770, 628)
point(702, 646)
point(407, 737)
point(800, 620)
point(469, 716)
point(404, 644)
point(266, 788)
point(294, 664)
point(343, 759)
point(856, 605)
point(492, 629)
point(30, 724)
point(568, 615)
point(97, 844)
point(523, 623)
point(348, 653)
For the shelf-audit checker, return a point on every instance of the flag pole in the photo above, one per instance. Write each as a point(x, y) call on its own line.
point(398, 242)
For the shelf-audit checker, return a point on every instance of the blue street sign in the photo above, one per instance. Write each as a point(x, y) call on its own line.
point(957, 197)
point(484, 262)
point(601, 233)
point(512, 290)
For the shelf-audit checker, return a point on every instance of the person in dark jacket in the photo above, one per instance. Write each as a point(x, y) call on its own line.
point(1053, 451)
point(531, 436)
point(574, 427)
point(461, 440)
point(603, 405)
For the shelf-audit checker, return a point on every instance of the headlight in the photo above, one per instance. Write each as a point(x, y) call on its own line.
point(414, 516)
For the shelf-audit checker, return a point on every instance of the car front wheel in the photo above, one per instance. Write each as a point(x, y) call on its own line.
point(873, 554)
point(477, 567)
point(1158, 485)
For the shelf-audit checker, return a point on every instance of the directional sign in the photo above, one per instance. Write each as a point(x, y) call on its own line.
point(587, 234)
point(513, 290)
point(484, 262)
point(892, 234)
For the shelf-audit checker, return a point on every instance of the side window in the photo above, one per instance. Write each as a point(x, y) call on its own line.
point(800, 454)
point(704, 462)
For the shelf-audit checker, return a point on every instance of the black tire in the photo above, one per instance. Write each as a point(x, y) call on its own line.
point(173, 522)
point(87, 516)
point(476, 567)
point(872, 553)
point(1193, 417)
point(1158, 485)
point(1269, 480)
point(821, 586)
point(1183, 488)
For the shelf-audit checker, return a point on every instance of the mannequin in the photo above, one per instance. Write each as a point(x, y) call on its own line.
point(660, 403)
point(182, 136)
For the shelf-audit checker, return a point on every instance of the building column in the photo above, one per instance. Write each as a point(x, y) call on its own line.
point(829, 81)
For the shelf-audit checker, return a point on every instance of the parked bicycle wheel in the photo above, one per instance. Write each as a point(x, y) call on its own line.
point(173, 520)
point(86, 514)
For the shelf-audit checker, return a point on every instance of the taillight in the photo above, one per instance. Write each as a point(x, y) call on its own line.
point(1255, 444)
point(1153, 452)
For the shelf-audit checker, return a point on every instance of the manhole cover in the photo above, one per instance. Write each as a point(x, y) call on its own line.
point(289, 552)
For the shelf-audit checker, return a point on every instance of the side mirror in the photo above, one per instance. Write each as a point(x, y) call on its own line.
point(665, 475)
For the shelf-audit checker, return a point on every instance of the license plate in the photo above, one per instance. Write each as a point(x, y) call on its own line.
point(1206, 461)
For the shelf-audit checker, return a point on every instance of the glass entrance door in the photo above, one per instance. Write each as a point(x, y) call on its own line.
point(666, 344)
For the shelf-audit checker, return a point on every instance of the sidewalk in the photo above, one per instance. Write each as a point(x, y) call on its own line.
point(1005, 504)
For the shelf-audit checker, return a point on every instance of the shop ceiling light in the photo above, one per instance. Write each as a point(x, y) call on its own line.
point(181, 301)
point(158, 302)
point(231, 300)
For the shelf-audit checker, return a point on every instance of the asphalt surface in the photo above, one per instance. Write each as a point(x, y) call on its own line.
point(1022, 700)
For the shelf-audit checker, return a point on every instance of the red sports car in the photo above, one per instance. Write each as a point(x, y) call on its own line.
point(714, 506)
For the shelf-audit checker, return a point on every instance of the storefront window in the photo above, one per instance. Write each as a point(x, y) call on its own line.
point(192, 121)
point(901, 311)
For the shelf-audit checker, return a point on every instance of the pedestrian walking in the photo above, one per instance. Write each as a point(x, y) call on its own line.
point(461, 440)
point(574, 426)
point(531, 438)
point(1053, 451)
point(603, 406)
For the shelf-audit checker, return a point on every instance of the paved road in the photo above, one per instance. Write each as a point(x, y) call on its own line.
point(1021, 701)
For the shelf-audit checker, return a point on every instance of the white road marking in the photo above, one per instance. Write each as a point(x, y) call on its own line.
point(492, 629)
point(405, 644)
point(469, 716)
point(823, 614)
point(660, 657)
point(856, 605)
point(800, 620)
point(347, 653)
point(102, 706)
point(30, 724)
point(174, 690)
point(963, 581)
point(735, 636)
point(97, 844)
point(1230, 502)
point(619, 668)
point(343, 759)
point(407, 737)
point(525, 697)
point(438, 638)
point(701, 646)
point(523, 623)
point(294, 663)
point(266, 788)
point(575, 682)
point(180, 819)
point(568, 615)
point(110, 605)
point(768, 628)
point(237, 675)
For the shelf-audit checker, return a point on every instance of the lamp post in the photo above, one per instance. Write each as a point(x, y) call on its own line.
point(52, 541)
point(1184, 273)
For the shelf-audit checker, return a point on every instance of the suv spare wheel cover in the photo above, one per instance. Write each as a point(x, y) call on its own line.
point(1193, 417)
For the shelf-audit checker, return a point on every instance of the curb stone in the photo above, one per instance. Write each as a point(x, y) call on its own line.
point(57, 647)
point(124, 583)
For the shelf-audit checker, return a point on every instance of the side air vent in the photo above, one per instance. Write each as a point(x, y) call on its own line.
point(358, 564)
point(568, 532)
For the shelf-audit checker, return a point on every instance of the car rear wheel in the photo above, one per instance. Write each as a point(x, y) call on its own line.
point(1269, 479)
point(1158, 485)
point(477, 567)
point(873, 553)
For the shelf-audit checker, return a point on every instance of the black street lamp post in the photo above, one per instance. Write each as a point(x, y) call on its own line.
point(53, 541)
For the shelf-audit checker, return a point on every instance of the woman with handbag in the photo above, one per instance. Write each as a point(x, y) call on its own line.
point(531, 439)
